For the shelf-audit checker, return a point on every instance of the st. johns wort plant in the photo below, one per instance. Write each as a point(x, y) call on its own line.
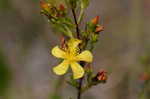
point(76, 44)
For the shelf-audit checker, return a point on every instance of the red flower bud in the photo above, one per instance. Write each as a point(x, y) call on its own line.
point(99, 29)
point(45, 6)
point(95, 20)
point(61, 7)
point(102, 75)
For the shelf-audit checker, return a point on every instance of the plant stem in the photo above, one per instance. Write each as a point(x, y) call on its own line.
point(80, 82)
point(76, 23)
point(79, 89)
point(82, 64)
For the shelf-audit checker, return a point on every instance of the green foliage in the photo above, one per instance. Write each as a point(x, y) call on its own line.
point(73, 3)
point(58, 19)
point(73, 82)
point(56, 2)
point(63, 25)
point(84, 4)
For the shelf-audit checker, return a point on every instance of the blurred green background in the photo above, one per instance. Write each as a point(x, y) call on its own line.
point(26, 39)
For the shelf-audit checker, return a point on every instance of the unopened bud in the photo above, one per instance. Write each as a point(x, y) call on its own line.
point(95, 20)
point(45, 6)
point(99, 29)
point(61, 7)
point(101, 75)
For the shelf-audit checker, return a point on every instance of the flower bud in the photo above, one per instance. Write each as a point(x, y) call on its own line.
point(102, 76)
point(61, 11)
point(61, 7)
point(95, 20)
point(45, 6)
point(99, 29)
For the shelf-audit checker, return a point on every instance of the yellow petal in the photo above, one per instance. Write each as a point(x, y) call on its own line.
point(78, 71)
point(61, 68)
point(57, 52)
point(85, 56)
point(73, 46)
point(73, 43)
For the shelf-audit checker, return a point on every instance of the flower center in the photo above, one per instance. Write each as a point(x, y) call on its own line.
point(71, 56)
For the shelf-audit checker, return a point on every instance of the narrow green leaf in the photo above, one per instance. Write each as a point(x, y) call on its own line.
point(81, 16)
point(84, 4)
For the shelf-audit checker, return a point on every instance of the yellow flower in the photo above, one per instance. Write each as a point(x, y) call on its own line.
point(71, 58)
